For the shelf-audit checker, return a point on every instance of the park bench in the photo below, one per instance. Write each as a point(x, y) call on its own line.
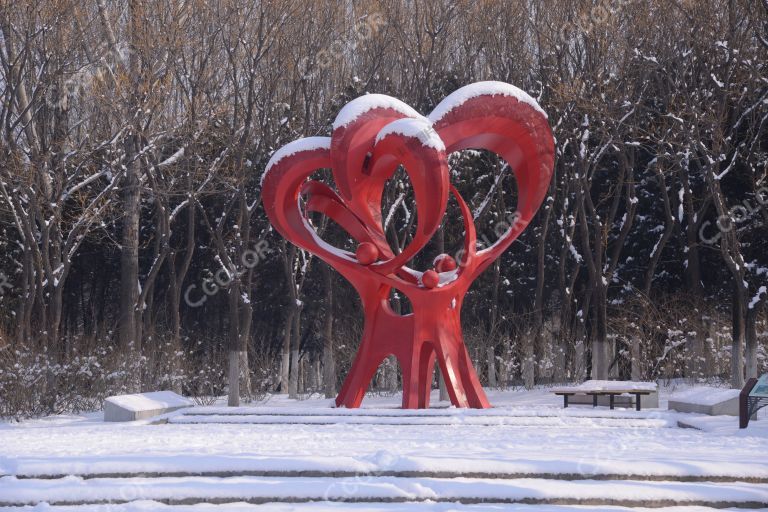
point(611, 389)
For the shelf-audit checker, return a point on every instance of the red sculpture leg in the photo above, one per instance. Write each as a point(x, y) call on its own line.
point(372, 137)
point(458, 366)
point(360, 374)
point(382, 325)
point(426, 373)
point(409, 368)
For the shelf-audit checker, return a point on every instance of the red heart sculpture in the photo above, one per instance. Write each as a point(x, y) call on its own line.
point(372, 136)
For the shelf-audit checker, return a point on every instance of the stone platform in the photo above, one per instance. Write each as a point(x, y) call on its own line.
point(142, 406)
point(706, 400)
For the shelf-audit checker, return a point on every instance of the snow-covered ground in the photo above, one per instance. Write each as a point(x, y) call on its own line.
point(528, 449)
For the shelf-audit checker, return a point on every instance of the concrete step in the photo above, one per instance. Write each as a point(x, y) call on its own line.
point(527, 421)
point(72, 490)
point(325, 506)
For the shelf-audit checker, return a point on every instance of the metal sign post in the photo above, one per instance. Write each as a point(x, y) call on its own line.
point(753, 397)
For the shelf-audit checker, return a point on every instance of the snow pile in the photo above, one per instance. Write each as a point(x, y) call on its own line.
point(150, 401)
point(448, 277)
point(297, 146)
point(417, 128)
point(468, 92)
point(363, 104)
point(705, 395)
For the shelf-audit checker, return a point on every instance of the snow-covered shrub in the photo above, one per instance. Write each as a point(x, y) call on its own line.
point(37, 382)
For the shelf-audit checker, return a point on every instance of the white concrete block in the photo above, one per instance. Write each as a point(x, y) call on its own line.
point(143, 405)
point(706, 400)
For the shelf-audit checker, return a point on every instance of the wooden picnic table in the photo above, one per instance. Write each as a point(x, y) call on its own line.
point(595, 393)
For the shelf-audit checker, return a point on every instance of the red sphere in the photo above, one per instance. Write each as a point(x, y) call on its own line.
point(367, 253)
point(430, 279)
point(445, 263)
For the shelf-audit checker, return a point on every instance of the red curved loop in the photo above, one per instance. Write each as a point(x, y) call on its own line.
point(321, 198)
point(354, 135)
point(470, 234)
point(281, 186)
point(510, 124)
point(404, 142)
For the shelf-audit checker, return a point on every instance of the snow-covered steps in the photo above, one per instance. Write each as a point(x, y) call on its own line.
point(403, 467)
point(385, 464)
point(517, 412)
point(533, 452)
point(543, 417)
point(324, 506)
point(527, 421)
point(189, 490)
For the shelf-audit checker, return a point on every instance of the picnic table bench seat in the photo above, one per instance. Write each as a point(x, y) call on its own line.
point(611, 389)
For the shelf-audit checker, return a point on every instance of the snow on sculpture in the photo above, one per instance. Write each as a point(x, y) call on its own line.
point(372, 136)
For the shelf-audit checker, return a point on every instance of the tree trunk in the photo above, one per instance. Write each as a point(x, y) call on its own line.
point(285, 363)
point(235, 355)
point(233, 377)
point(293, 383)
point(177, 277)
point(391, 373)
point(131, 203)
point(129, 257)
point(392, 381)
point(24, 327)
point(738, 331)
point(600, 342)
point(538, 302)
point(751, 342)
point(529, 372)
point(245, 374)
point(174, 293)
point(579, 359)
point(560, 371)
point(329, 363)
point(491, 356)
point(245, 313)
point(634, 349)
point(695, 347)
